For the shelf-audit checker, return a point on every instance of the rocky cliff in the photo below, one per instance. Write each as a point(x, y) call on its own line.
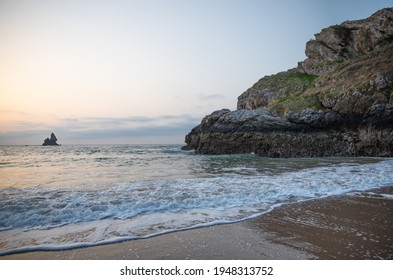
point(337, 102)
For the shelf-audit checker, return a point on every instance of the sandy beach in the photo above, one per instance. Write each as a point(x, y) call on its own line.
point(358, 225)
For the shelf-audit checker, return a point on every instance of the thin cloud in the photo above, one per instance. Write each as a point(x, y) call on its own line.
point(103, 130)
point(211, 96)
point(125, 123)
point(15, 112)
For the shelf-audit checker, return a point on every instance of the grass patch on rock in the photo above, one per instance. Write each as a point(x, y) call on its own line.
point(293, 82)
point(295, 103)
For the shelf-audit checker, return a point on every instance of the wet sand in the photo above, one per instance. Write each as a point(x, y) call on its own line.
point(352, 226)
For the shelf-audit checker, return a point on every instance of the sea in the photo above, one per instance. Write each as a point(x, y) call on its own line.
point(63, 197)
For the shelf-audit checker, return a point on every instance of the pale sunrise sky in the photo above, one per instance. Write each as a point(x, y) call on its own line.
point(144, 71)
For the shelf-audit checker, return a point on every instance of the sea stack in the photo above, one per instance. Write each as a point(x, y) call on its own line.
point(50, 142)
point(337, 102)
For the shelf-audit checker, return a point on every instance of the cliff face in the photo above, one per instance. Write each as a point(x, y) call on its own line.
point(337, 102)
point(350, 40)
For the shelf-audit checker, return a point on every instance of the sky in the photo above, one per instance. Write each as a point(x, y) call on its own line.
point(145, 72)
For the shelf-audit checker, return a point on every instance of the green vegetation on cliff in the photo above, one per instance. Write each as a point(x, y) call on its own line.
point(348, 69)
point(347, 87)
point(293, 82)
point(295, 103)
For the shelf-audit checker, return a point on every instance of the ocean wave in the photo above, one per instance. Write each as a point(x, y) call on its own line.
point(30, 208)
point(96, 213)
point(76, 196)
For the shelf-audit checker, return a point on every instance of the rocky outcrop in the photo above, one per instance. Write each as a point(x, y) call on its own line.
point(52, 141)
point(308, 133)
point(350, 40)
point(258, 131)
point(271, 88)
point(351, 54)
point(338, 102)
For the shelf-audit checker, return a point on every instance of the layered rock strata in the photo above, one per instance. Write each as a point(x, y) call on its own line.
point(337, 102)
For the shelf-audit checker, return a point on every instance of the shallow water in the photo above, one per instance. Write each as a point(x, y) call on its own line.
point(73, 196)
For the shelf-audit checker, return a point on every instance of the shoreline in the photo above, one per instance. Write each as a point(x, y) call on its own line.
point(356, 225)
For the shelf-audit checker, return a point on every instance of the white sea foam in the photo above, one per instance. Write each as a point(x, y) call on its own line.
point(211, 190)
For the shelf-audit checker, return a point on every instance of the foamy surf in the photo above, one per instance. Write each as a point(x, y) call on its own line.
point(210, 190)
